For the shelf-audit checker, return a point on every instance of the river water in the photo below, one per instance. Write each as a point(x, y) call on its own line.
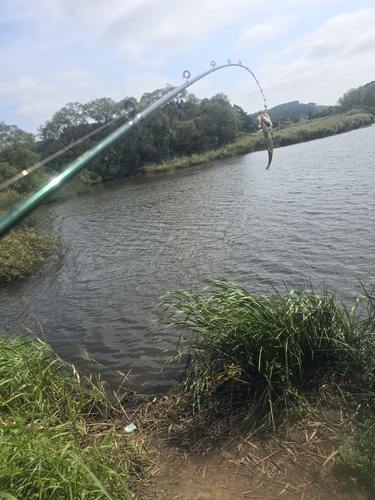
point(310, 218)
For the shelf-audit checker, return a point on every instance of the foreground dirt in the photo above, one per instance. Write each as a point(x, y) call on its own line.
point(299, 468)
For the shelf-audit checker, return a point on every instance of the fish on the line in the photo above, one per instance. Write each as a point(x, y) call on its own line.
point(266, 125)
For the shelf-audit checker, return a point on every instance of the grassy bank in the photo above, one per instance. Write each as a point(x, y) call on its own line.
point(59, 436)
point(276, 360)
point(308, 130)
point(24, 250)
point(305, 130)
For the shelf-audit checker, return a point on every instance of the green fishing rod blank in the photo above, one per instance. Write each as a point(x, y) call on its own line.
point(26, 206)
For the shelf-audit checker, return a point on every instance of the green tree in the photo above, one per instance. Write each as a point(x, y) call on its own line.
point(184, 137)
point(14, 159)
point(66, 126)
point(17, 154)
point(218, 121)
point(368, 96)
point(70, 117)
point(349, 100)
point(100, 110)
point(246, 123)
point(361, 97)
point(11, 134)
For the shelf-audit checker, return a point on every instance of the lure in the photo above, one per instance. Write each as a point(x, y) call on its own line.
point(266, 125)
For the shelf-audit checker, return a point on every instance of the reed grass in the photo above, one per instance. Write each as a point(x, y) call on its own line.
point(56, 437)
point(307, 130)
point(271, 349)
point(277, 362)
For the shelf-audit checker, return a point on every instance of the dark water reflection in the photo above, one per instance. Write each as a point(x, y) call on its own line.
point(310, 218)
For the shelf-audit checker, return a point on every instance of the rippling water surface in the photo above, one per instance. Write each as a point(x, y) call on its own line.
point(309, 218)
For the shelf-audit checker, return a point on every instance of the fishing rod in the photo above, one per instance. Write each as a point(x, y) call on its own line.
point(22, 209)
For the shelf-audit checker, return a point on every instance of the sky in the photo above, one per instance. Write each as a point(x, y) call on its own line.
point(57, 51)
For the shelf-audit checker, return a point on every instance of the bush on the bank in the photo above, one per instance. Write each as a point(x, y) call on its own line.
point(273, 347)
point(8, 198)
point(24, 250)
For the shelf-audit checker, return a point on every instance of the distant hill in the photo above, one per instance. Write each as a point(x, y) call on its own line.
point(293, 109)
point(360, 99)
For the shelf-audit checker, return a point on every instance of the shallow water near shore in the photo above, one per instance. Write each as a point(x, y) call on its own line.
point(309, 219)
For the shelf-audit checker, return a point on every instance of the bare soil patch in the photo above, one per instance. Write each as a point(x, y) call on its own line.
point(197, 459)
point(258, 470)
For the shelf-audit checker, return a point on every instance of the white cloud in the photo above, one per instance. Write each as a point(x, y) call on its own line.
point(268, 30)
point(56, 51)
point(327, 61)
point(149, 31)
point(340, 36)
point(37, 99)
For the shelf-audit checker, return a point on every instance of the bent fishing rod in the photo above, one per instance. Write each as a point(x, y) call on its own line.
point(26, 206)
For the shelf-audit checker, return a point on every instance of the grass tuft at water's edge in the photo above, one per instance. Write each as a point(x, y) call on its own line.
point(58, 439)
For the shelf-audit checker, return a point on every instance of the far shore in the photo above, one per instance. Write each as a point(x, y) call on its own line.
point(25, 250)
point(284, 135)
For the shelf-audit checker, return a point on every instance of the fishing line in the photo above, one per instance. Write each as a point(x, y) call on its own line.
point(19, 211)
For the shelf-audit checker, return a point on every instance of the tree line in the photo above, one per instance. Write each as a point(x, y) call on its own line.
point(362, 98)
point(182, 127)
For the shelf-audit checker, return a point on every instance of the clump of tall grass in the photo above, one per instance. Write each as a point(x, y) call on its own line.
point(25, 250)
point(271, 349)
point(56, 440)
